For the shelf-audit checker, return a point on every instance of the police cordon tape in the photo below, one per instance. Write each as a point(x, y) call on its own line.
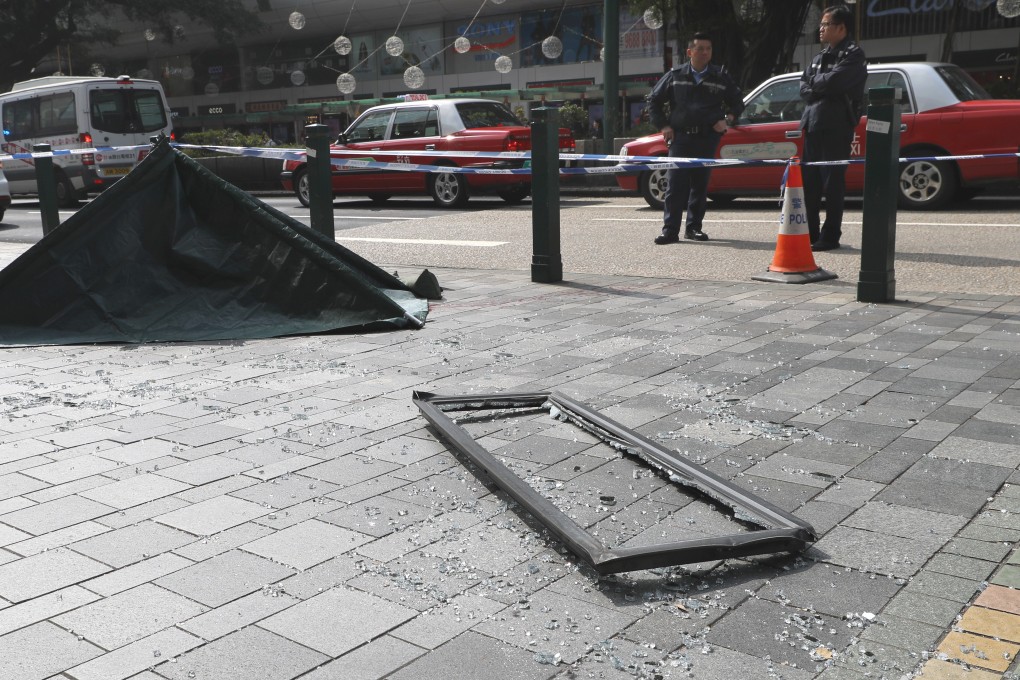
point(625, 164)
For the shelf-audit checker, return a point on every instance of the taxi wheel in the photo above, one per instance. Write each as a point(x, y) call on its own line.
point(448, 189)
point(67, 197)
point(379, 198)
point(926, 185)
point(653, 188)
point(3, 211)
point(515, 195)
point(301, 187)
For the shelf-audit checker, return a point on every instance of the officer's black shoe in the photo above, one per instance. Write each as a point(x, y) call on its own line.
point(667, 237)
point(821, 246)
point(695, 235)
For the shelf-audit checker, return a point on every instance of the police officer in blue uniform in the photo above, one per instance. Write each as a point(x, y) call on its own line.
point(832, 87)
point(702, 99)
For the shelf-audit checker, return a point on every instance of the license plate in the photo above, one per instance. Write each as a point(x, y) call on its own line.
point(115, 172)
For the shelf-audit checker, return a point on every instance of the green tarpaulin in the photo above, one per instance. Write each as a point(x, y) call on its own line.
point(173, 253)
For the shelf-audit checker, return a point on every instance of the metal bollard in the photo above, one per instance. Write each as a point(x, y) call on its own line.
point(320, 180)
point(546, 263)
point(877, 281)
point(46, 181)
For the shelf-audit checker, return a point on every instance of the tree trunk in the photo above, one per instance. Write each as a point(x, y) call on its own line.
point(947, 43)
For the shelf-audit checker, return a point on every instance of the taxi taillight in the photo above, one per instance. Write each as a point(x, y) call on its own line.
point(518, 142)
point(566, 140)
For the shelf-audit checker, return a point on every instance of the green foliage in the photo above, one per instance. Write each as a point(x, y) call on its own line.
point(574, 117)
point(224, 137)
point(641, 129)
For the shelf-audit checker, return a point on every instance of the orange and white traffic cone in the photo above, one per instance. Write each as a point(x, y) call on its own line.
point(793, 261)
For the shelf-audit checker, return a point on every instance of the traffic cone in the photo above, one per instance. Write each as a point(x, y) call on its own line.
point(793, 261)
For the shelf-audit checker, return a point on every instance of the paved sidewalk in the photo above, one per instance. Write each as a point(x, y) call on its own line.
point(279, 509)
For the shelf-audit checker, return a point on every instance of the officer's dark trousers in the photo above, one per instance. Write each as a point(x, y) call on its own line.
point(688, 187)
point(825, 180)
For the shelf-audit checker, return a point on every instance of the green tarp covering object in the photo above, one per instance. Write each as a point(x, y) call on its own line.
point(173, 253)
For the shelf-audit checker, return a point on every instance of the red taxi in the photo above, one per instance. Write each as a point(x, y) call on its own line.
point(944, 113)
point(417, 128)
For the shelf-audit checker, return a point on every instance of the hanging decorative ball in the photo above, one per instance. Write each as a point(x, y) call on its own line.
point(1009, 8)
point(264, 75)
point(552, 47)
point(504, 64)
point(497, 2)
point(150, 34)
point(97, 70)
point(394, 46)
point(297, 77)
point(653, 18)
point(178, 32)
point(296, 20)
point(602, 54)
point(343, 45)
point(462, 45)
point(346, 83)
point(212, 89)
point(414, 77)
point(187, 73)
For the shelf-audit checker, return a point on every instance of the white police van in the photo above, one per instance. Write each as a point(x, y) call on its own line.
point(70, 112)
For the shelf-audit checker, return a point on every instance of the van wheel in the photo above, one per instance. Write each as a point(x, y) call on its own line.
point(515, 195)
point(301, 187)
point(379, 199)
point(652, 186)
point(67, 197)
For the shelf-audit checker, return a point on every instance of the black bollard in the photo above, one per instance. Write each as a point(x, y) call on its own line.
point(320, 180)
point(46, 181)
point(877, 281)
point(546, 263)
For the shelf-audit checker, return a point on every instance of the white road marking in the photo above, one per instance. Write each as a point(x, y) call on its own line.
point(362, 217)
point(711, 221)
point(427, 242)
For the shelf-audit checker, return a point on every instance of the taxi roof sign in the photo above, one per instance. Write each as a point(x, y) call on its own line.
point(414, 97)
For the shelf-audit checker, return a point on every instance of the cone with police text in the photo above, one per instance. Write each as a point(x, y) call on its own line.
point(793, 261)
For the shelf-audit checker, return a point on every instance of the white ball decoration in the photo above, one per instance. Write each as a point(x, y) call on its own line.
point(414, 77)
point(187, 73)
point(1009, 8)
point(602, 54)
point(212, 89)
point(150, 34)
point(264, 75)
point(552, 47)
point(653, 18)
point(394, 46)
point(504, 64)
point(297, 77)
point(343, 45)
point(497, 2)
point(97, 70)
point(346, 83)
point(296, 20)
point(462, 45)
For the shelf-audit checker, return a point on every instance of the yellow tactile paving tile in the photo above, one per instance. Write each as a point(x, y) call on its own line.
point(943, 670)
point(979, 651)
point(991, 623)
point(1001, 598)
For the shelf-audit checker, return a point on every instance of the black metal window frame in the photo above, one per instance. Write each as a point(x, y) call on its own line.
point(781, 532)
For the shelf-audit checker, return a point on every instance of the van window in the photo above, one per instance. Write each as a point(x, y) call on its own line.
point(57, 115)
point(123, 111)
point(20, 119)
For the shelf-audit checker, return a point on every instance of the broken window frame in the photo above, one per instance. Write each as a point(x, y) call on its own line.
point(782, 532)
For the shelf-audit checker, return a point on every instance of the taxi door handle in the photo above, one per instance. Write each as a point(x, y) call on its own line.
point(430, 147)
point(793, 134)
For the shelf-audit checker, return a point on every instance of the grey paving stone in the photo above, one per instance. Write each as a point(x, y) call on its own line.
point(18, 483)
point(203, 549)
point(205, 470)
point(965, 567)
point(904, 633)
point(139, 452)
point(669, 627)
point(39, 608)
point(378, 516)
point(225, 577)
point(862, 433)
point(989, 452)
point(850, 491)
point(349, 470)
point(137, 574)
point(759, 628)
point(377, 659)
point(726, 664)
point(306, 544)
point(287, 491)
point(32, 576)
point(934, 496)
point(471, 656)
point(204, 434)
point(134, 491)
point(928, 609)
point(943, 585)
point(338, 620)
point(121, 547)
point(823, 516)
point(129, 615)
point(238, 614)
point(248, 653)
point(436, 626)
point(988, 478)
point(905, 522)
point(211, 516)
point(143, 512)
point(830, 590)
point(63, 512)
point(42, 650)
point(983, 550)
point(874, 552)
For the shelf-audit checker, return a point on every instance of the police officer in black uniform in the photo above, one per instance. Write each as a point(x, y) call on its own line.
point(833, 88)
point(702, 99)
